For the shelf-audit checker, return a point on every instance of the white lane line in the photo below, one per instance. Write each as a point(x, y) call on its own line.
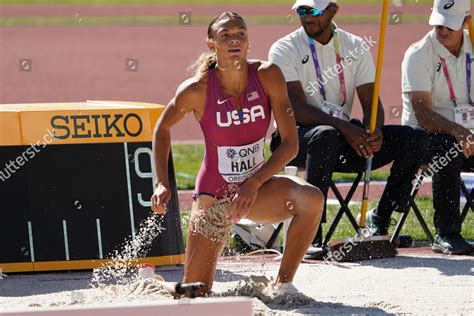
point(30, 236)
point(99, 238)
point(66, 241)
point(129, 187)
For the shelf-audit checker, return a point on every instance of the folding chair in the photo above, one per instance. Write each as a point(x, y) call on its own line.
point(412, 205)
point(469, 197)
point(469, 205)
point(344, 209)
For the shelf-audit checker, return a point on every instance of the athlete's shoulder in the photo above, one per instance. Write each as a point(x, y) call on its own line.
point(192, 90)
point(191, 86)
point(264, 66)
point(269, 74)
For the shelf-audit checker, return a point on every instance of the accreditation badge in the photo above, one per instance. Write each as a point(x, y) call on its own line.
point(333, 109)
point(464, 115)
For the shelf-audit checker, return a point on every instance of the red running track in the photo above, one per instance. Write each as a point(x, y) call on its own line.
point(77, 63)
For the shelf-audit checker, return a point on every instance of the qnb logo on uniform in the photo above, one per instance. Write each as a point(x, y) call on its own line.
point(226, 119)
point(449, 5)
point(231, 153)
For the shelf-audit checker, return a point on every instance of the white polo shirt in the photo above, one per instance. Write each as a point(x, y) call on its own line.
point(292, 54)
point(422, 71)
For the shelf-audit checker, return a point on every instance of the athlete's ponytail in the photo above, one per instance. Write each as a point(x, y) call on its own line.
point(205, 61)
point(208, 60)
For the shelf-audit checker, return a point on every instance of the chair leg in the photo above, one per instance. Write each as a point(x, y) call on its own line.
point(399, 226)
point(274, 236)
point(343, 209)
point(422, 221)
point(469, 197)
point(404, 216)
point(412, 205)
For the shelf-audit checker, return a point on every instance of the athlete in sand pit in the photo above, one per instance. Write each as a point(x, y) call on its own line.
point(232, 98)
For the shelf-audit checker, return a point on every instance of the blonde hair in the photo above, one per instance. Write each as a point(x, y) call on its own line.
point(208, 60)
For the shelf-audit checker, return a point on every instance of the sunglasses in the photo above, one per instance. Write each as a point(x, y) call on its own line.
point(304, 12)
point(440, 27)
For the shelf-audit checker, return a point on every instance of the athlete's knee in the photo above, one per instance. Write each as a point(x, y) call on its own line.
point(312, 201)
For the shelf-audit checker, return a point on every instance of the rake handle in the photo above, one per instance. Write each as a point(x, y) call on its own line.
point(373, 114)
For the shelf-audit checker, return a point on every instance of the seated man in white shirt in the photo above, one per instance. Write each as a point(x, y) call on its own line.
point(437, 96)
point(323, 67)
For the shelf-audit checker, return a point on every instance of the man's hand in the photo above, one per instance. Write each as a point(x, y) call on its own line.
point(375, 140)
point(466, 140)
point(357, 137)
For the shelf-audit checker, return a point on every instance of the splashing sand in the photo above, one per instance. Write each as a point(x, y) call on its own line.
point(122, 269)
point(265, 294)
point(212, 222)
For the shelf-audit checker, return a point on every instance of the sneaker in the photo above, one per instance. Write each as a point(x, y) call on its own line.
point(286, 289)
point(451, 244)
point(375, 224)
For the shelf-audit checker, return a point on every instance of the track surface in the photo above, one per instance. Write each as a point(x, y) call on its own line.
point(76, 63)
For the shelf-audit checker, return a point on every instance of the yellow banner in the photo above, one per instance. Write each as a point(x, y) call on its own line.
point(10, 128)
point(89, 122)
point(84, 264)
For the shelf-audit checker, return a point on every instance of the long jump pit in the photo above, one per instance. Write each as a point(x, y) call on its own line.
point(417, 281)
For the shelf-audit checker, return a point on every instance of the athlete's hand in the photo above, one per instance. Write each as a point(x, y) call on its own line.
point(357, 138)
point(243, 201)
point(160, 199)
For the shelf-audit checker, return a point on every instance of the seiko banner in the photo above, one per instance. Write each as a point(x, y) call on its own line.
point(75, 182)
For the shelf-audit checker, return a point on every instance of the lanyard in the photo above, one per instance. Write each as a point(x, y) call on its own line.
point(452, 95)
point(468, 77)
point(340, 73)
point(317, 67)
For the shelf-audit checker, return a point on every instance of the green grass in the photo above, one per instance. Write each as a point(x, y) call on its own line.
point(344, 229)
point(187, 161)
point(289, 2)
point(411, 226)
point(174, 20)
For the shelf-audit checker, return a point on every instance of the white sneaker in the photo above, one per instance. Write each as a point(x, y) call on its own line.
point(286, 289)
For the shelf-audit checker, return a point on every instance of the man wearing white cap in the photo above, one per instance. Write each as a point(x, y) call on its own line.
point(438, 96)
point(323, 67)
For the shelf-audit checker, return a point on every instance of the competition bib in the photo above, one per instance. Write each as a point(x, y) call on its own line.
point(332, 109)
point(237, 163)
point(464, 115)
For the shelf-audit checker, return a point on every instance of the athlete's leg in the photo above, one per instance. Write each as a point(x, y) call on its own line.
point(203, 248)
point(283, 197)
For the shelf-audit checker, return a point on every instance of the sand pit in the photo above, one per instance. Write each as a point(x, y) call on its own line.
point(411, 283)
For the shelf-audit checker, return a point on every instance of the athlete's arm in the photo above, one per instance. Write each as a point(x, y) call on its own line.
point(422, 104)
point(187, 96)
point(274, 84)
